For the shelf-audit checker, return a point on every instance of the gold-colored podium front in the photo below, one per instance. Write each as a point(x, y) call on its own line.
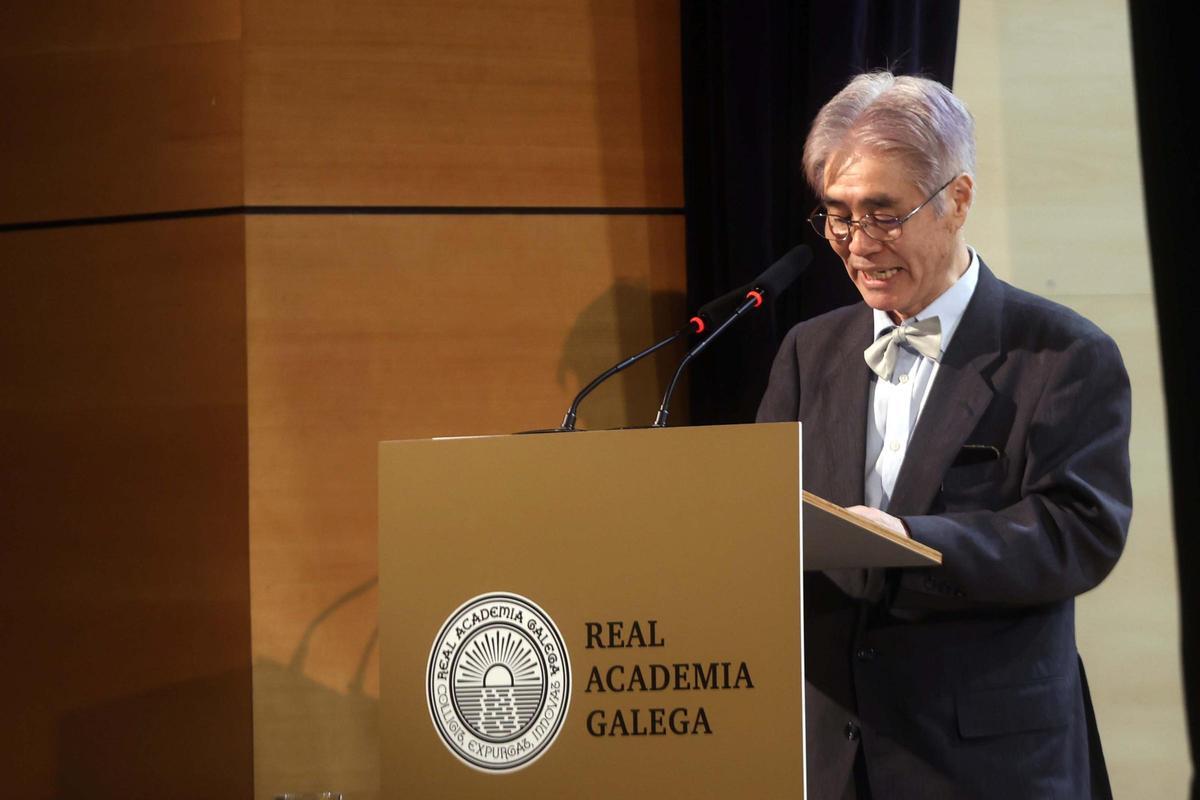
point(669, 562)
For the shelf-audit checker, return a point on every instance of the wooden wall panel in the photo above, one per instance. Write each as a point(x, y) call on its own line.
point(523, 102)
point(124, 569)
point(120, 110)
point(129, 577)
point(76, 25)
point(370, 328)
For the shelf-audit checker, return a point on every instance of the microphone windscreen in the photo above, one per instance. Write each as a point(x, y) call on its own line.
point(784, 272)
point(724, 305)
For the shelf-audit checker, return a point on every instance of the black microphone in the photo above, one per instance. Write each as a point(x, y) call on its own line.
point(720, 307)
point(700, 322)
point(779, 276)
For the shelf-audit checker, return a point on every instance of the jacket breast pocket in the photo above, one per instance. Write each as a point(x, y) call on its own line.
point(972, 487)
point(1039, 705)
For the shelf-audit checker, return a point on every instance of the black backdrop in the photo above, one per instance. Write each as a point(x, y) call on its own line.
point(754, 75)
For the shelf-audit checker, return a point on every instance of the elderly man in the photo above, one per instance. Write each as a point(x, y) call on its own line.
point(976, 418)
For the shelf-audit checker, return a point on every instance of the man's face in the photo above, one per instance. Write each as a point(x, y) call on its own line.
point(905, 275)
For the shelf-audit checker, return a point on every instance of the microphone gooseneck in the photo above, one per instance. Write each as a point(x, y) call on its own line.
point(568, 423)
point(700, 322)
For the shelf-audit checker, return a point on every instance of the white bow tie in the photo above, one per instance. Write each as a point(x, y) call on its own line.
point(924, 336)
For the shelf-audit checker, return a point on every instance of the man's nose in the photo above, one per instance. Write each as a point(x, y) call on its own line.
point(860, 243)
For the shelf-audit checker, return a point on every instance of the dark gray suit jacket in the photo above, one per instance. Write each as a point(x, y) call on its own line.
point(964, 681)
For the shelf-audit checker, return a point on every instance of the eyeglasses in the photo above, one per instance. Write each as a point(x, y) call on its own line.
point(880, 227)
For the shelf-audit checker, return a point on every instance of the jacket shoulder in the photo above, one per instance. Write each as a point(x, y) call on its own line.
point(825, 328)
point(1035, 321)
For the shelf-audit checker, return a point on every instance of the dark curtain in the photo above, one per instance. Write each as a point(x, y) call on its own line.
point(1165, 81)
point(755, 73)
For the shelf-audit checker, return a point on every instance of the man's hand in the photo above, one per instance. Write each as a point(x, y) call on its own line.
point(880, 518)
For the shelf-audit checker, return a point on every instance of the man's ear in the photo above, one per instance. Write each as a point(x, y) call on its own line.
point(962, 195)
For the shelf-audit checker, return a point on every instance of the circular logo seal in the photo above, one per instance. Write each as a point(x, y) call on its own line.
point(499, 682)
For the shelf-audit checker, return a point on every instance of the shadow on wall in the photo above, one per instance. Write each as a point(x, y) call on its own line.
point(313, 737)
point(317, 738)
point(632, 397)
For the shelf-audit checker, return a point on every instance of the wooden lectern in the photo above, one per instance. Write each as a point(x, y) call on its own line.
point(602, 614)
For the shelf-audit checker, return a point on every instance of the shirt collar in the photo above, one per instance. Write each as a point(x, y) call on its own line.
point(948, 307)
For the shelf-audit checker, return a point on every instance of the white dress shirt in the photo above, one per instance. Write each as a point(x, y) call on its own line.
point(894, 406)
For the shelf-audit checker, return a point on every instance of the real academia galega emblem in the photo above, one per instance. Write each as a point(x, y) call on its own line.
point(498, 682)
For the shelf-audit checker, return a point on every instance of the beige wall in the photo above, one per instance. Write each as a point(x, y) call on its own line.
point(1059, 212)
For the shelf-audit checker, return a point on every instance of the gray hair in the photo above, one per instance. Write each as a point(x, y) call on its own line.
point(914, 119)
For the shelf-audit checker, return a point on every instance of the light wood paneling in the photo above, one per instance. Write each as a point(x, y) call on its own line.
point(370, 328)
point(124, 573)
point(524, 102)
point(118, 111)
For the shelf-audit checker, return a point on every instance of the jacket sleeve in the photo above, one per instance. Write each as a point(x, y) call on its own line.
point(1065, 533)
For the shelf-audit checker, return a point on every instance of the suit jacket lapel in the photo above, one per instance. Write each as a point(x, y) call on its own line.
point(957, 400)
